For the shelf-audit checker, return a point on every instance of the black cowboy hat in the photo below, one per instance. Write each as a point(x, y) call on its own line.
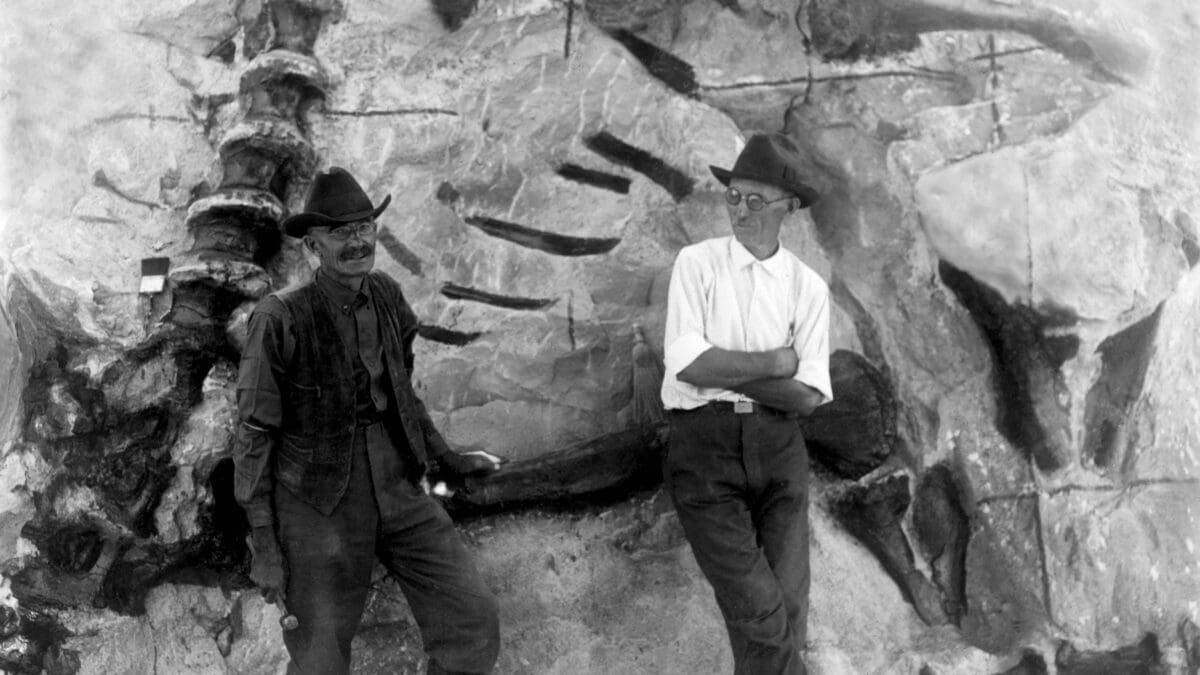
point(772, 159)
point(334, 199)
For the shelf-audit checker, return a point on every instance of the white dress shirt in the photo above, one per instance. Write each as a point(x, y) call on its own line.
point(722, 296)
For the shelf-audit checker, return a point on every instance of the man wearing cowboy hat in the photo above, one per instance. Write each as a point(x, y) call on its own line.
point(333, 446)
point(747, 354)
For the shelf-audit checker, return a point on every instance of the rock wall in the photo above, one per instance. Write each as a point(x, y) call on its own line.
point(1008, 225)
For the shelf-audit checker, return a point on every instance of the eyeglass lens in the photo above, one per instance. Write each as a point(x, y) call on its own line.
point(754, 201)
point(362, 229)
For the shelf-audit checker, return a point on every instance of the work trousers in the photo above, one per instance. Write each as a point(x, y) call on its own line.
point(330, 560)
point(739, 483)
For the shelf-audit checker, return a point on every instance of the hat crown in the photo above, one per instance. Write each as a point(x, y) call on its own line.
point(337, 195)
point(773, 159)
point(334, 199)
point(768, 159)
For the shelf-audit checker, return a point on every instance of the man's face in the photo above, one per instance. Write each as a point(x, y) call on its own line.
point(346, 252)
point(757, 230)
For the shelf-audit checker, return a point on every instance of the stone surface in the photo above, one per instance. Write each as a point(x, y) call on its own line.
point(111, 643)
point(1123, 563)
point(1005, 586)
point(257, 645)
point(1162, 422)
point(204, 440)
point(1045, 148)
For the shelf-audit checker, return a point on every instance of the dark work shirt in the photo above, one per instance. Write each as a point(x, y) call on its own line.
point(270, 344)
point(357, 324)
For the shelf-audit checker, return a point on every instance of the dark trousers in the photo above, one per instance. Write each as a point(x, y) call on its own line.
point(330, 559)
point(739, 483)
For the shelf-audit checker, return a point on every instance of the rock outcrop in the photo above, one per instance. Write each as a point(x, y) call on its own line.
point(1008, 224)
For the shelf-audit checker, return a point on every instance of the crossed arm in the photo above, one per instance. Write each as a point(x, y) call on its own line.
point(765, 377)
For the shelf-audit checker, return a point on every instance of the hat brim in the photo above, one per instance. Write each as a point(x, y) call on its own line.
point(298, 225)
point(806, 193)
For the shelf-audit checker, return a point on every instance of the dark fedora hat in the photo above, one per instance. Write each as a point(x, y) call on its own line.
point(334, 199)
point(772, 159)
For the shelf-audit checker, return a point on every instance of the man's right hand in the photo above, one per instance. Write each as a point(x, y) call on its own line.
point(267, 565)
point(786, 361)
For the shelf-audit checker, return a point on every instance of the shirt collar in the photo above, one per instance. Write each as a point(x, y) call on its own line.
point(342, 297)
point(776, 266)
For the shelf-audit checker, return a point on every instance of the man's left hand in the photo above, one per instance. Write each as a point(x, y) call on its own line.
point(454, 468)
point(471, 463)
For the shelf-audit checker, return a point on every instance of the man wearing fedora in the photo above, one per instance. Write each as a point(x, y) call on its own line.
point(333, 446)
point(747, 354)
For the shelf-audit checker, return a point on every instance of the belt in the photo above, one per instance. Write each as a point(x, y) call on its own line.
point(740, 408)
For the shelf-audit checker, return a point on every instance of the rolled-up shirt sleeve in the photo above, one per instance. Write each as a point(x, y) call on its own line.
point(260, 411)
point(811, 341)
point(684, 338)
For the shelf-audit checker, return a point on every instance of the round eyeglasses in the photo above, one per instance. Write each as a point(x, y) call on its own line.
point(754, 201)
point(363, 228)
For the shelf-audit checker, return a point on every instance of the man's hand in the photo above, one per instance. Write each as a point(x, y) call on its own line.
point(267, 565)
point(471, 463)
point(786, 361)
point(453, 468)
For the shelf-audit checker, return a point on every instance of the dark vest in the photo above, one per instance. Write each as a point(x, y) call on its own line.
point(318, 392)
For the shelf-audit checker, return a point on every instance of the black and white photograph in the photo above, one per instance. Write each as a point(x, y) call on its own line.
point(600, 337)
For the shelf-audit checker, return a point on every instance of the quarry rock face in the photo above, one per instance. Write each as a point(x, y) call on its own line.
point(1008, 225)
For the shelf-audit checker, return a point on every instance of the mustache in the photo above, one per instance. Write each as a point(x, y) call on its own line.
point(356, 252)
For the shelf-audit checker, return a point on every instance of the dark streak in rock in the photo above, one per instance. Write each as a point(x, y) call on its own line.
point(873, 514)
point(1031, 663)
point(994, 83)
point(121, 117)
point(1189, 639)
point(570, 25)
point(1125, 358)
point(1012, 497)
point(856, 432)
point(399, 252)
point(1068, 489)
point(615, 150)
point(926, 74)
point(733, 6)
point(943, 531)
point(670, 69)
point(446, 336)
point(600, 179)
point(558, 244)
point(1143, 657)
point(1044, 566)
point(1191, 251)
point(204, 109)
point(1029, 381)
point(991, 55)
point(446, 194)
point(454, 12)
point(101, 181)
point(571, 320)
point(596, 471)
point(1191, 248)
point(456, 292)
point(398, 111)
point(225, 52)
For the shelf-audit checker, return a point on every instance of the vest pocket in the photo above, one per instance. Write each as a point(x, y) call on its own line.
point(291, 461)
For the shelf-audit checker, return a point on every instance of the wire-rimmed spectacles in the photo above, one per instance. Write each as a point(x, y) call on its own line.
point(363, 228)
point(754, 201)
